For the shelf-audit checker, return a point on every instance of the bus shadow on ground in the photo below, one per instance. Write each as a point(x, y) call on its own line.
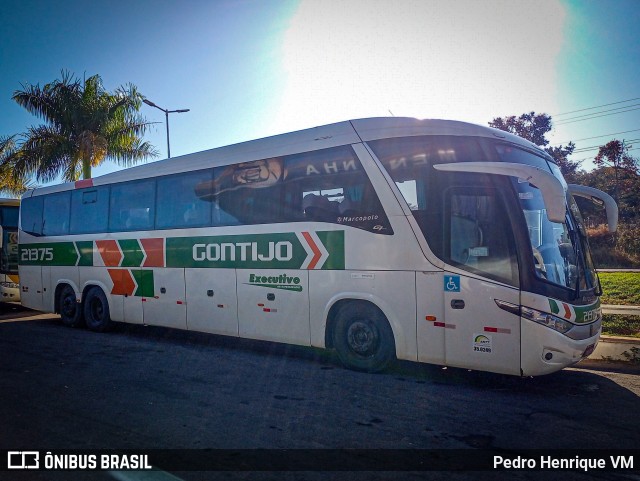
point(579, 381)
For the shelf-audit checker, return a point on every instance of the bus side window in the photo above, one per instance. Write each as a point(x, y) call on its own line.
point(477, 233)
point(89, 210)
point(132, 206)
point(56, 211)
point(331, 186)
point(248, 193)
point(31, 215)
point(179, 203)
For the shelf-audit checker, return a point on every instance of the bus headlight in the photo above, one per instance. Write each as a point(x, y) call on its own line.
point(546, 319)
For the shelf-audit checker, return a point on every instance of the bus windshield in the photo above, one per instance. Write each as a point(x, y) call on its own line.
point(560, 250)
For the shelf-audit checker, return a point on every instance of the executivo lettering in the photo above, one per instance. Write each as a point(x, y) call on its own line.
point(283, 281)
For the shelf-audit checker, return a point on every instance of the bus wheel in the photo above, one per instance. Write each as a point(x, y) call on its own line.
point(70, 309)
point(96, 311)
point(363, 338)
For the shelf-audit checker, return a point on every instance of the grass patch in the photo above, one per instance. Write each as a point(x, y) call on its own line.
point(621, 288)
point(620, 325)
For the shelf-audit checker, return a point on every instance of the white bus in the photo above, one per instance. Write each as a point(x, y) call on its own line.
point(425, 240)
point(9, 281)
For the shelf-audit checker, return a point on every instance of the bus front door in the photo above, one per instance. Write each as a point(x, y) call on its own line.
point(478, 334)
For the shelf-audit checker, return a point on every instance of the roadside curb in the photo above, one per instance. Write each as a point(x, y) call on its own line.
point(617, 348)
point(620, 309)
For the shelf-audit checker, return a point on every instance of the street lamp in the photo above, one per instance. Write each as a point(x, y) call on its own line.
point(166, 115)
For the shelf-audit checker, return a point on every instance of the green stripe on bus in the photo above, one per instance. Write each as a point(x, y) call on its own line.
point(251, 251)
point(144, 279)
point(334, 243)
point(132, 253)
point(85, 249)
point(48, 254)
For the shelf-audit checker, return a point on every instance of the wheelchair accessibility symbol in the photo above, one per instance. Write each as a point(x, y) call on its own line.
point(452, 283)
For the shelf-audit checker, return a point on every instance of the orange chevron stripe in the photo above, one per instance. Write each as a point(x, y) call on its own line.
point(155, 252)
point(317, 253)
point(110, 252)
point(123, 283)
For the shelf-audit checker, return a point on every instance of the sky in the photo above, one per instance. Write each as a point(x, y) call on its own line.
point(248, 69)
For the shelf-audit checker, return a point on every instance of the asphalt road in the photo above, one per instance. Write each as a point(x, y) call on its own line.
point(155, 388)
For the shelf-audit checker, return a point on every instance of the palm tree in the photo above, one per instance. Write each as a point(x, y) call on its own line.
point(9, 182)
point(84, 125)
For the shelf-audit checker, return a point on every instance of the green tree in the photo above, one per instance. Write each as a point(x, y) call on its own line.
point(618, 172)
point(84, 126)
point(10, 183)
point(534, 127)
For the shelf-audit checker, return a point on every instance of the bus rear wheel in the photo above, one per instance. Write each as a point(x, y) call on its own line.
point(96, 311)
point(70, 309)
point(363, 338)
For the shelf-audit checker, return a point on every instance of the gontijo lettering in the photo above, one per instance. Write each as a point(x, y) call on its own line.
point(243, 251)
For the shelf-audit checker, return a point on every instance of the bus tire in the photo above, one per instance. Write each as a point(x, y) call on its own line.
point(363, 338)
point(69, 308)
point(96, 311)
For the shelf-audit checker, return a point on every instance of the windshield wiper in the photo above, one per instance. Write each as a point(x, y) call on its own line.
point(573, 235)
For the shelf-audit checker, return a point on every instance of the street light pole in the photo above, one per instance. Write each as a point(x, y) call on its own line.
point(166, 116)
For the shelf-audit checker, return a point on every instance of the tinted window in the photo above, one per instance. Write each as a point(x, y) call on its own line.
point(321, 186)
point(331, 186)
point(132, 206)
point(56, 210)
point(178, 203)
point(89, 210)
point(248, 193)
point(9, 216)
point(477, 234)
point(461, 215)
point(31, 215)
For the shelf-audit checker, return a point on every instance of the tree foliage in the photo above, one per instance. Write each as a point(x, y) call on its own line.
point(534, 128)
point(9, 183)
point(84, 126)
point(616, 154)
point(530, 126)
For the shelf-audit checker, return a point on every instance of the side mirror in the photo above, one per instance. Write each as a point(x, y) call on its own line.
point(599, 198)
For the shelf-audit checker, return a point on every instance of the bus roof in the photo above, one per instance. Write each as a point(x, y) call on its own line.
point(316, 138)
point(7, 201)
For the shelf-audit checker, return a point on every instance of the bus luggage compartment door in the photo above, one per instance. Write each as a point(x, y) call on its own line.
point(212, 304)
point(31, 286)
point(273, 305)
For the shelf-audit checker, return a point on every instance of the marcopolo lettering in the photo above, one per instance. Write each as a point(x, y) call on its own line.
point(243, 251)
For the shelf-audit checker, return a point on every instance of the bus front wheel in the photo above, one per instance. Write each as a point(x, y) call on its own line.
point(96, 311)
point(69, 308)
point(363, 338)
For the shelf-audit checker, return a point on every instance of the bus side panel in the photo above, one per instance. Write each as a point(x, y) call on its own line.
point(31, 285)
point(212, 303)
point(393, 292)
point(431, 324)
point(163, 297)
point(273, 305)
